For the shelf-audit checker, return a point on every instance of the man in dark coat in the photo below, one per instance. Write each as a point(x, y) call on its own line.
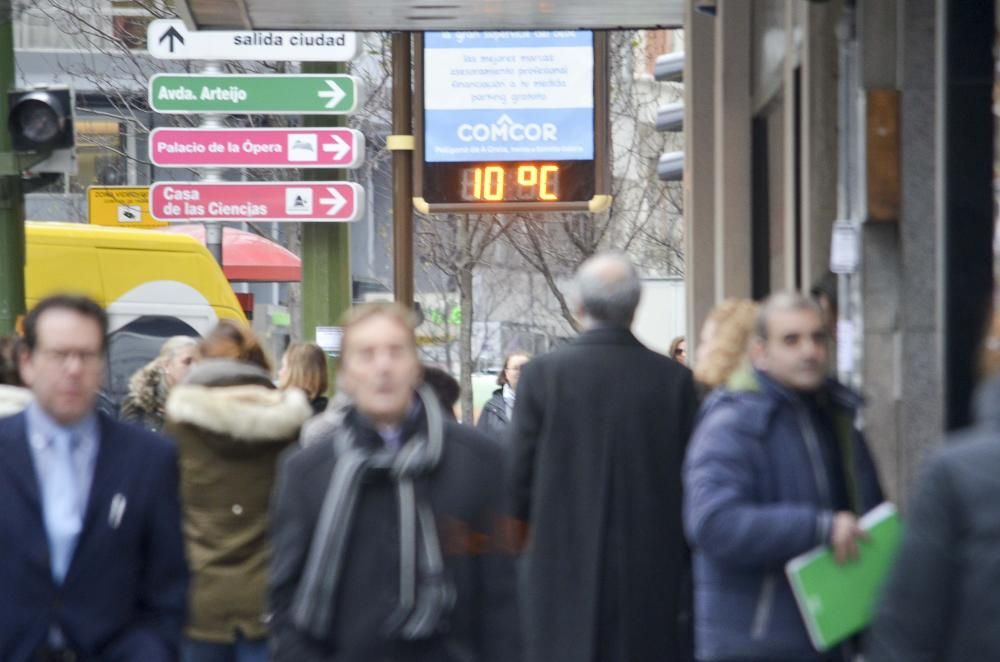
point(598, 437)
point(92, 560)
point(940, 602)
point(776, 468)
point(385, 520)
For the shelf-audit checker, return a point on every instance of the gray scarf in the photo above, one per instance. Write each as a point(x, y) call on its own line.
point(425, 594)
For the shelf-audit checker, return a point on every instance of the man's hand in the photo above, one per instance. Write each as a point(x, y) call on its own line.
point(844, 536)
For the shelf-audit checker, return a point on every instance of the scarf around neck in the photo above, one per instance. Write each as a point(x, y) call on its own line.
point(425, 594)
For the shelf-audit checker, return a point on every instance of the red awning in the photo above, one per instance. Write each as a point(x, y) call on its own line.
point(248, 257)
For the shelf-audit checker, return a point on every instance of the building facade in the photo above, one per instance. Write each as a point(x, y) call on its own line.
point(870, 120)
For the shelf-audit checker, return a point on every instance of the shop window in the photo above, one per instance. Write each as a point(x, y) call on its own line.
point(100, 155)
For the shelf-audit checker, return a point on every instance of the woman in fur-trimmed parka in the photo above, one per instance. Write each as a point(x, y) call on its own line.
point(230, 424)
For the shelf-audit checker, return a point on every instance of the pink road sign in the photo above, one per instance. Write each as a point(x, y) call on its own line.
point(256, 201)
point(257, 148)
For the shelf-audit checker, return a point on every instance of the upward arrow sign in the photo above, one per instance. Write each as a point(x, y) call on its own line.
point(335, 94)
point(172, 34)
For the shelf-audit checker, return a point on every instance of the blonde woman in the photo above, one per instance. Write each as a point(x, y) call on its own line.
point(150, 385)
point(722, 345)
point(304, 366)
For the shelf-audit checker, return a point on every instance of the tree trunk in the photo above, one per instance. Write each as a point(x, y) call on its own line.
point(465, 268)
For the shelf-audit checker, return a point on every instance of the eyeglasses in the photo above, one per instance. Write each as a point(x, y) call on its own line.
point(63, 356)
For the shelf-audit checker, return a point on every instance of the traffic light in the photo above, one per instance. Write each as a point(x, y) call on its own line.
point(40, 122)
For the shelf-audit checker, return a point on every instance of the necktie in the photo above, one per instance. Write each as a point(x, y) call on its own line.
point(65, 518)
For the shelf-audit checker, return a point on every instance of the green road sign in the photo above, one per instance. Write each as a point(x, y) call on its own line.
point(285, 94)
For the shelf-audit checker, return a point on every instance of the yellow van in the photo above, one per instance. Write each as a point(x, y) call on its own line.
point(152, 284)
point(131, 272)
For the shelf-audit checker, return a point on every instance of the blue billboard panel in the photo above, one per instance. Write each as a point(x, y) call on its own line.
point(508, 96)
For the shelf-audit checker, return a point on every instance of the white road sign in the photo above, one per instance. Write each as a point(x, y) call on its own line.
point(169, 39)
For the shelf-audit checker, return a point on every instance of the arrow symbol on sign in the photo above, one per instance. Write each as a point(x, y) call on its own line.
point(335, 94)
point(171, 34)
point(336, 201)
point(340, 148)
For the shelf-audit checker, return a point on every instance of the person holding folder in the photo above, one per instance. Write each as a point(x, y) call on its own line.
point(776, 467)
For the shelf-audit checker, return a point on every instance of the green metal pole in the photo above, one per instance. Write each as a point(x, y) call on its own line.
point(326, 247)
point(11, 200)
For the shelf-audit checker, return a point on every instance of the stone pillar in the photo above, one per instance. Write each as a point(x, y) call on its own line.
point(819, 136)
point(880, 265)
point(733, 117)
point(699, 169)
point(921, 409)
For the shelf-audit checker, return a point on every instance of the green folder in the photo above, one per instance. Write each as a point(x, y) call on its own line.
point(837, 601)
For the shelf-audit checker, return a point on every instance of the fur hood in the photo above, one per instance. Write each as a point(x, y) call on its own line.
point(247, 413)
point(147, 388)
point(13, 399)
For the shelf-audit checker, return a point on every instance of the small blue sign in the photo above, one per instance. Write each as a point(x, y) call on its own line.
point(508, 96)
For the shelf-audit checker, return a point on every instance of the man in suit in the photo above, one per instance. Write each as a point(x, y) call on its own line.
point(92, 559)
point(598, 437)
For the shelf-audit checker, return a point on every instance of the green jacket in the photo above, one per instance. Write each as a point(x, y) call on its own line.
point(230, 425)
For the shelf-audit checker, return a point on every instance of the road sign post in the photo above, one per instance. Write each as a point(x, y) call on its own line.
point(285, 94)
point(257, 148)
point(327, 287)
point(11, 200)
point(256, 201)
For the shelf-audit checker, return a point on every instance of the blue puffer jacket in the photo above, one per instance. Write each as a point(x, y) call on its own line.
point(756, 495)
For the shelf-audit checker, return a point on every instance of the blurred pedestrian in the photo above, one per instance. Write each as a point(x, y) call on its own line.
point(446, 388)
point(230, 339)
point(776, 467)
point(230, 423)
point(598, 437)
point(724, 342)
point(14, 397)
point(303, 366)
point(10, 373)
point(149, 386)
point(678, 350)
point(384, 544)
point(940, 601)
point(92, 561)
point(496, 413)
point(824, 293)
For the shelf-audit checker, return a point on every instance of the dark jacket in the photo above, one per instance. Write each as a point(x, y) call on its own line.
point(465, 492)
point(598, 438)
point(319, 404)
point(941, 602)
point(493, 418)
point(125, 595)
point(230, 424)
point(758, 492)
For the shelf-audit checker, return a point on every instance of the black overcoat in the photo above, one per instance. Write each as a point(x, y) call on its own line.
point(598, 438)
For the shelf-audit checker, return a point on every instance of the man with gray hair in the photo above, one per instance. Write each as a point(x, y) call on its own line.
point(598, 436)
point(776, 467)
